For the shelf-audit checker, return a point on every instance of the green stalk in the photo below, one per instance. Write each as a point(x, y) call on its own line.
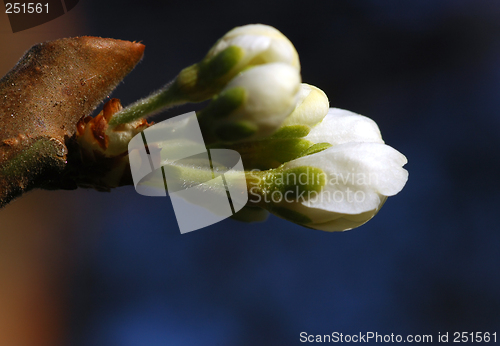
point(162, 99)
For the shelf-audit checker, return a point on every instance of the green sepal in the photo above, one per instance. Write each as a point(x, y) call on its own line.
point(290, 183)
point(292, 131)
point(268, 153)
point(218, 67)
point(235, 131)
point(316, 148)
point(223, 104)
point(298, 180)
point(205, 79)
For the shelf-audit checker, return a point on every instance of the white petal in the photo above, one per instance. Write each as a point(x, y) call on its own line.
point(341, 126)
point(358, 176)
point(312, 107)
point(254, 29)
point(252, 44)
point(329, 221)
point(271, 95)
point(344, 222)
point(261, 43)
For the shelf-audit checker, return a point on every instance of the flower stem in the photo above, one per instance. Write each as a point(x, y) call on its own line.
point(162, 99)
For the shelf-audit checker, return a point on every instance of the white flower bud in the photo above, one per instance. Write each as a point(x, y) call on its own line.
point(356, 179)
point(343, 183)
point(258, 100)
point(241, 48)
point(261, 44)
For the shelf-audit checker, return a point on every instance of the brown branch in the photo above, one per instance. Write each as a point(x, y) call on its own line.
point(42, 99)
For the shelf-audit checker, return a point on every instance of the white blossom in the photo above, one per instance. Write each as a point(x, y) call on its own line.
point(260, 43)
point(358, 173)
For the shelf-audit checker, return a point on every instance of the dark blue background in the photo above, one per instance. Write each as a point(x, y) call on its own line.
point(428, 72)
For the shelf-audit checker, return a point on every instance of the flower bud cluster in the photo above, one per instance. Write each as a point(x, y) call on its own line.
point(321, 167)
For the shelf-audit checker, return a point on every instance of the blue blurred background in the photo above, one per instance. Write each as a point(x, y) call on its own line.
point(428, 72)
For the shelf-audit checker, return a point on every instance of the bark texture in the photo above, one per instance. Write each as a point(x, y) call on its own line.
point(42, 99)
